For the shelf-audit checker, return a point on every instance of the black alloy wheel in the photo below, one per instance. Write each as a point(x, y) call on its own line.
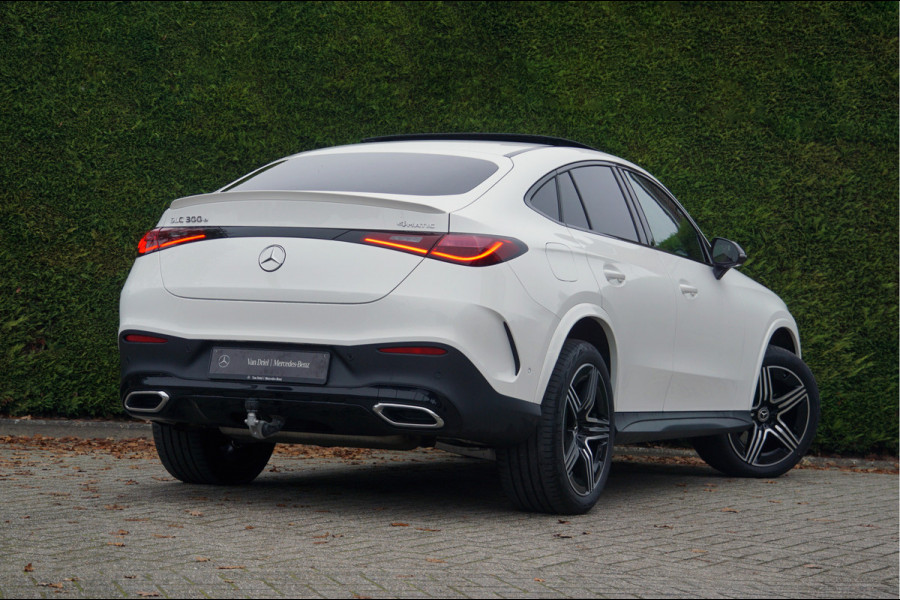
point(785, 415)
point(564, 466)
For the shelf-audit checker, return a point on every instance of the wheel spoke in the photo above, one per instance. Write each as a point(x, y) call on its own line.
point(591, 394)
point(764, 388)
point(784, 435)
point(790, 400)
point(571, 456)
point(573, 401)
point(595, 430)
point(755, 444)
point(587, 457)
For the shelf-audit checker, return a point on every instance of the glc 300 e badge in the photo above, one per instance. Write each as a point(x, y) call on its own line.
point(272, 258)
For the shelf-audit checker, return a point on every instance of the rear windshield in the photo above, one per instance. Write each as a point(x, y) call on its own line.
point(377, 173)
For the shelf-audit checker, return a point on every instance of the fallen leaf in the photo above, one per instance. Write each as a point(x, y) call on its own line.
point(435, 560)
point(249, 527)
point(58, 586)
point(319, 537)
point(201, 559)
point(28, 568)
point(194, 513)
point(119, 532)
point(561, 522)
point(538, 579)
point(117, 544)
point(730, 510)
point(699, 551)
point(114, 507)
point(71, 579)
point(811, 566)
point(131, 577)
point(148, 594)
point(231, 567)
point(160, 536)
point(561, 536)
point(663, 526)
point(399, 524)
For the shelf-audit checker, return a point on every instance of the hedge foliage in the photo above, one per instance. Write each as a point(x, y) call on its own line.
point(776, 125)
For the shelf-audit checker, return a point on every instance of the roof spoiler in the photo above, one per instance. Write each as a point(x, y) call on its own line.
point(484, 137)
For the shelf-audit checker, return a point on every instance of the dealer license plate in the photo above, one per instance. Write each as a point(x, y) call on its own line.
point(275, 366)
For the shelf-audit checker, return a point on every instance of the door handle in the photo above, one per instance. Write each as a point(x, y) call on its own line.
point(688, 290)
point(613, 275)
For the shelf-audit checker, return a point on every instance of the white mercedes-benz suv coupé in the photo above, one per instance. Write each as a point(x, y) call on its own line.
point(519, 296)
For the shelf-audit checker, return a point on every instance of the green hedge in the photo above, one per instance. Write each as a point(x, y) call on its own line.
point(775, 124)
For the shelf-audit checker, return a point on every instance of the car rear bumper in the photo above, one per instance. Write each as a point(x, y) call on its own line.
point(434, 397)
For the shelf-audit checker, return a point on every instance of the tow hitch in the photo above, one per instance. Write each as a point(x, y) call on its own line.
point(258, 428)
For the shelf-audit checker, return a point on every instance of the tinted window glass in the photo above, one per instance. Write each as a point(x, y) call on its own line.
point(545, 200)
point(669, 227)
point(378, 173)
point(605, 204)
point(573, 212)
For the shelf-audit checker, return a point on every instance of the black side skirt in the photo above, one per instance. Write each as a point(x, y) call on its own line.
point(647, 426)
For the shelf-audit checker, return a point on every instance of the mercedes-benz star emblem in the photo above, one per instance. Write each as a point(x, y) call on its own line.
point(272, 258)
point(224, 360)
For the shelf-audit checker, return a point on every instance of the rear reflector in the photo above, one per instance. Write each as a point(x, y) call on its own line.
point(144, 339)
point(420, 350)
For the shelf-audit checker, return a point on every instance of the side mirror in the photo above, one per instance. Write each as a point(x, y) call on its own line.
point(726, 254)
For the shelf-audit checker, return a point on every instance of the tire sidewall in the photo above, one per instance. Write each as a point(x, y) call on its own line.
point(575, 354)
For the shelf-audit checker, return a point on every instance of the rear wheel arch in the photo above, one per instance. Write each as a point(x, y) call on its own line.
point(586, 322)
point(592, 331)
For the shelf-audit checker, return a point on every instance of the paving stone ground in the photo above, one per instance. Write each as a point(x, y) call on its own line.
point(426, 523)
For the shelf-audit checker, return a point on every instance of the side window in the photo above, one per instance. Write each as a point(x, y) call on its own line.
point(669, 227)
point(545, 200)
point(605, 204)
point(572, 211)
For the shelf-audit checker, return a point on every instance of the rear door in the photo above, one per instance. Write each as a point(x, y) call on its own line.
point(635, 288)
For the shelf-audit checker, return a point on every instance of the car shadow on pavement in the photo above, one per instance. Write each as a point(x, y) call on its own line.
point(442, 482)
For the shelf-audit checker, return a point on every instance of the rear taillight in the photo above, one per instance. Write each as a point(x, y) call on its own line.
point(463, 249)
point(157, 239)
point(414, 244)
point(476, 250)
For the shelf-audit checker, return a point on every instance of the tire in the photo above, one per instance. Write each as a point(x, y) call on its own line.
point(207, 456)
point(563, 467)
point(785, 415)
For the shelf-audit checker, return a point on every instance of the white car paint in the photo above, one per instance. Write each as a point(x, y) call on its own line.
point(671, 348)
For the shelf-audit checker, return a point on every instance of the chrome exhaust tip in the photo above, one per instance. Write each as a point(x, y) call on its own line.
point(146, 401)
point(405, 415)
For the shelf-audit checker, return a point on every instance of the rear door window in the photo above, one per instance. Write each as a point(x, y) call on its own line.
point(606, 207)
